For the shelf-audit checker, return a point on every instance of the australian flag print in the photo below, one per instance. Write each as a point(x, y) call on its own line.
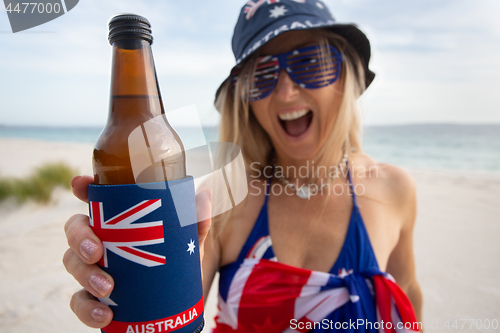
point(154, 261)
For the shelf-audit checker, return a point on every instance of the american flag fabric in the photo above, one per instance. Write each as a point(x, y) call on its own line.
point(268, 296)
point(154, 261)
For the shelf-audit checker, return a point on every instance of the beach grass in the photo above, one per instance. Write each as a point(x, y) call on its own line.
point(39, 185)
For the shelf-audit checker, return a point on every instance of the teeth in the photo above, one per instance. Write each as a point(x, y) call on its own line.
point(293, 115)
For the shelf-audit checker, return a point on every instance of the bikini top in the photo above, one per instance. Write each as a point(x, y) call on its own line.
point(356, 253)
point(259, 294)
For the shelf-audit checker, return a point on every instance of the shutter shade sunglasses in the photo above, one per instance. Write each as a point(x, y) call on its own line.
point(305, 66)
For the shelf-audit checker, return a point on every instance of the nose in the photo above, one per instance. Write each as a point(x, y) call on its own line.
point(286, 89)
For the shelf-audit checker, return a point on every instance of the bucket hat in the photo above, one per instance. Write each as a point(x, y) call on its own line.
point(262, 20)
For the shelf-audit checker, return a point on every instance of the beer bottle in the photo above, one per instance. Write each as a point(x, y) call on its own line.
point(135, 99)
point(142, 198)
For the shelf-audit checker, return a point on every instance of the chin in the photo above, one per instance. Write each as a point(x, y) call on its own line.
point(300, 152)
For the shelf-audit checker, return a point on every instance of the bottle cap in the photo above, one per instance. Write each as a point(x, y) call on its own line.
point(129, 26)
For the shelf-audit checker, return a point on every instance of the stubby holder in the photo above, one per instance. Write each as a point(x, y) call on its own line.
point(151, 249)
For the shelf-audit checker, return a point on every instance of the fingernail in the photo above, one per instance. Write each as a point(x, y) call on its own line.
point(74, 179)
point(87, 248)
point(100, 283)
point(99, 314)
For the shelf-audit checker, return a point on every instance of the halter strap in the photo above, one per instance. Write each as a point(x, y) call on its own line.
point(350, 184)
point(268, 187)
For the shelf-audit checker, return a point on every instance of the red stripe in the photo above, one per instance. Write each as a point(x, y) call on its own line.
point(268, 298)
point(383, 301)
point(96, 216)
point(142, 254)
point(168, 324)
point(403, 303)
point(267, 64)
point(129, 235)
point(131, 212)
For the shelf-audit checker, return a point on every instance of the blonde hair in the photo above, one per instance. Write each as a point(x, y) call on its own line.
point(240, 126)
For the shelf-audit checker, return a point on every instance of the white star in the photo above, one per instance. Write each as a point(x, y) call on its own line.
point(191, 247)
point(320, 6)
point(277, 11)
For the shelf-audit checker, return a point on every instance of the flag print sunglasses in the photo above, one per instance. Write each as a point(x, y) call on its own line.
point(305, 66)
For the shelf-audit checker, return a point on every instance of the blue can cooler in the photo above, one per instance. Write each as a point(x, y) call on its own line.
point(150, 238)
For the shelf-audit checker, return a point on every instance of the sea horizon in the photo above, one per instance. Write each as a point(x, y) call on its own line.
point(443, 146)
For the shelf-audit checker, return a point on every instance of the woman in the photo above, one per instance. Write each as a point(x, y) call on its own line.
point(337, 218)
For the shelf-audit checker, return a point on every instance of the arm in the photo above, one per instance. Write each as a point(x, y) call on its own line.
point(210, 264)
point(401, 264)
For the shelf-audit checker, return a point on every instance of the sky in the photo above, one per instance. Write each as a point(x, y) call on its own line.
point(436, 61)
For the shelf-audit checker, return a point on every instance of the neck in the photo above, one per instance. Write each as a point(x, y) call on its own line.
point(307, 171)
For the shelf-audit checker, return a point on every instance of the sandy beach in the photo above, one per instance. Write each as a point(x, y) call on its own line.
point(457, 247)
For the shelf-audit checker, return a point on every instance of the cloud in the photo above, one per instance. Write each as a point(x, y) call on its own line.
point(435, 60)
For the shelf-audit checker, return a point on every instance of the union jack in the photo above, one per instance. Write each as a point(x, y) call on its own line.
point(265, 295)
point(251, 7)
point(120, 235)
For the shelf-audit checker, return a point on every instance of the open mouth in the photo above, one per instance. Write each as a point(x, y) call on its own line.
point(296, 123)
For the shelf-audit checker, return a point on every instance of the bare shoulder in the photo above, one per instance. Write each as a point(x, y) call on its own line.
point(390, 185)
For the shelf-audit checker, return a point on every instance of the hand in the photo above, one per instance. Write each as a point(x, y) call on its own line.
point(86, 250)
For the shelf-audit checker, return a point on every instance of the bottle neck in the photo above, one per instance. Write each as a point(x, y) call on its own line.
point(134, 77)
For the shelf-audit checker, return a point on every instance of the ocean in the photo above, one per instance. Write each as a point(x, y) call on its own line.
point(473, 148)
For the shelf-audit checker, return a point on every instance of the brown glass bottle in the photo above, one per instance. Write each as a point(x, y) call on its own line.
point(134, 100)
point(144, 229)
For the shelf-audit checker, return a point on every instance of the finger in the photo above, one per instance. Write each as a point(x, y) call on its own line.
point(79, 184)
point(204, 213)
point(82, 240)
point(90, 311)
point(204, 216)
point(90, 277)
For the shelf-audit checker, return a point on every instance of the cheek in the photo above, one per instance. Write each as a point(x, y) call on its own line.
point(261, 113)
point(329, 106)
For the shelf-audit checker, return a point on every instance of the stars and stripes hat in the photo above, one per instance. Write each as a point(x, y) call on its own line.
point(262, 20)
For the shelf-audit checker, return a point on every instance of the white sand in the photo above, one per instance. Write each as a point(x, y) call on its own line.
point(456, 246)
